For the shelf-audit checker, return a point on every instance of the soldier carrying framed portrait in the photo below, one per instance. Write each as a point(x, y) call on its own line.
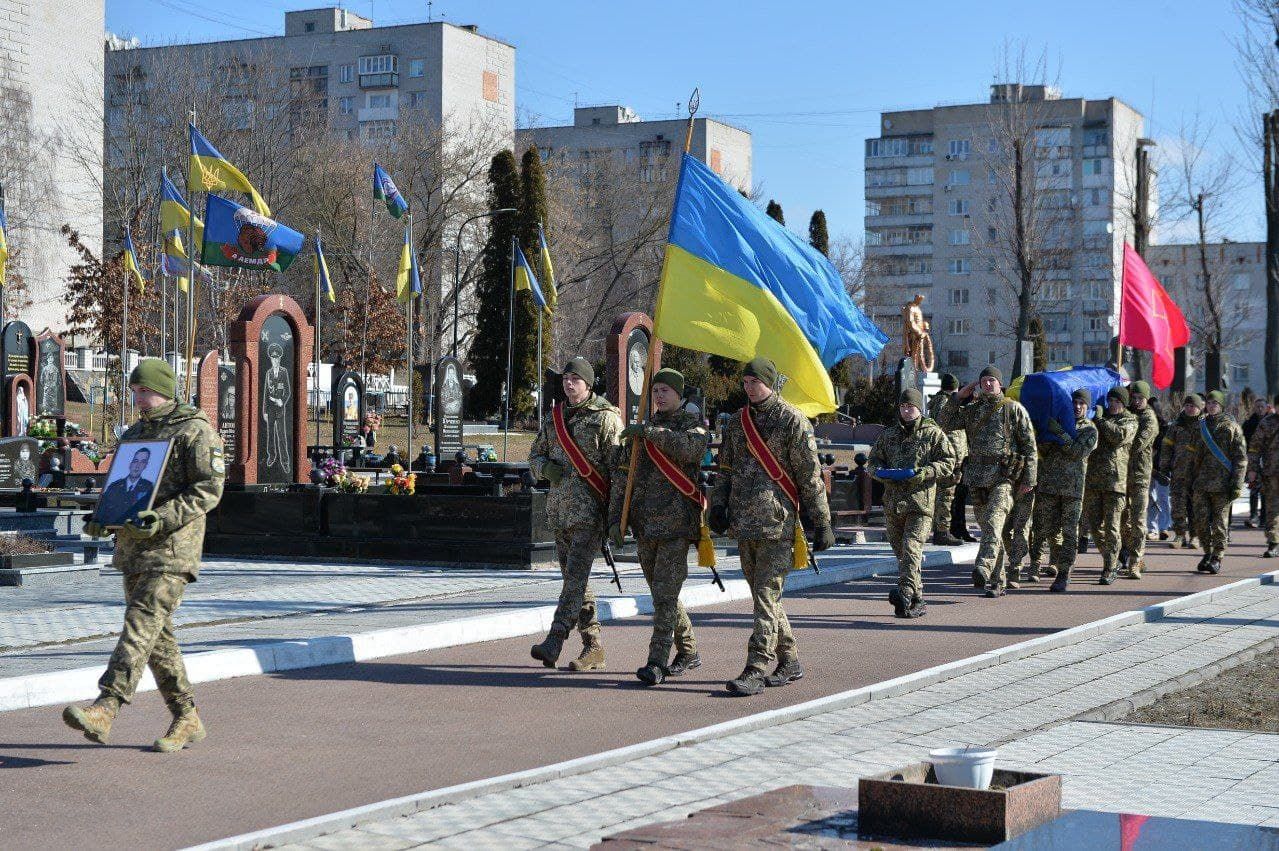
point(132, 481)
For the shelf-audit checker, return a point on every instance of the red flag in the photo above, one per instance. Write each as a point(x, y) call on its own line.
point(1149, 319)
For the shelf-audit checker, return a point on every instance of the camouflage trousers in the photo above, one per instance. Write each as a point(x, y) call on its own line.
point(1103, 513)
point(1180, 500)
point(1016, 543)
point(765, 563)
point(1270, 518)
point(665, 566)
point(577, 548)
point(1134, 520)
point(942, 504)
point(147, 640)
point(992, 506)
point(907, 533)
point(1055, 531)
point(1212, 520)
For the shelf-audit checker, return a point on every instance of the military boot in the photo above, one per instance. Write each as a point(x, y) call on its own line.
point(651, 674)
point(1083, 545)
point(1060, 583)
point(1202, 566)
point(1135, 569)
point(592, 656)
point(1213, 566)
point(1193, 544)
point(979, 578)
point(899, 604)
point(548, 652)
point(750, 681)
point(918, 608)
point(943, 538)
point(93, 720)
point(787, 671)
point(1108, 572)
point(1123, 562)
point(186, 729)
point(1048, 571)
point(1031, 574)
point(683, 662)
point(1272, 551)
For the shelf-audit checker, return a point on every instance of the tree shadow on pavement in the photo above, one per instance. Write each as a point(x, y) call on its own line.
point(489, 676)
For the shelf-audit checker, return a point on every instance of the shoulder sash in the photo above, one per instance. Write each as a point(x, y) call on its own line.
point(1206, 434)
point(675, 475)
point(759, 449)
point(585, 469)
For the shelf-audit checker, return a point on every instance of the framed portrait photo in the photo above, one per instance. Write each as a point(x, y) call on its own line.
point(132, 481)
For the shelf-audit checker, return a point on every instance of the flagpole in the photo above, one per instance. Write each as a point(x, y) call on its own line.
point(540, 382)
point(653, 343)
point(408, 312)
point(510, 337)
point(189, 343)
point(158, 241)
point(368, 291)
point(318, 243)
point(124, 341)
point(1119, 327)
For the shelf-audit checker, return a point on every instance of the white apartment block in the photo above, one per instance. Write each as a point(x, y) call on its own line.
point(1237, 280)
point(935, 180)
point(653, 147)
point(50, 64)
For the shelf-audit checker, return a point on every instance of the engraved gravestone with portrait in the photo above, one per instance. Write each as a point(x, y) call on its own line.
point(15, 359)
point(275, 382)
point(226, 404)
point(50, 376)
point(19, 459)
point(628, 353)
point(348, 408)
point(448, 408)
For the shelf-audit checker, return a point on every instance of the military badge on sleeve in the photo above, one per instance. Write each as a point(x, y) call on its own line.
point(216, 460)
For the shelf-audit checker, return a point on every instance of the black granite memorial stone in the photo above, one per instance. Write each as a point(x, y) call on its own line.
point(50, 377)
point(905, 378)
point(15, 358)
point(275, 382)
point(226, 405)
point(347, 399)
point(636, 360)
point(448, 407)
point(19, 459)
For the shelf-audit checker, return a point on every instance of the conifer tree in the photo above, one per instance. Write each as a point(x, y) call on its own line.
point(533, 210)
point(487, 356)
point(817, 235)
point(774, 211)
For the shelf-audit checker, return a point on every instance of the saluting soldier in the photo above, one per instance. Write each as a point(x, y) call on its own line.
point(1140, 460)
point(1002, 463)
point(574, 450)
point(1181, 443)
point(947, 485)
point(1106, 488)
point(917, 444)
point(769, 477)
point(666, 516)
point(1217, 479)
point(1059, 496)
point(1263, 468)
point(159, 554)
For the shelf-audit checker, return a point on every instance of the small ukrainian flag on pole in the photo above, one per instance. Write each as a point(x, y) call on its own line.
point(526, 280)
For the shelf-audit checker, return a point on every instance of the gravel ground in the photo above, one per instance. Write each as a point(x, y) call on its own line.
point(1243, 698)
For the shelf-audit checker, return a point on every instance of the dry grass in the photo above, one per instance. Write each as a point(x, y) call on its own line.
point(13, 545)
point(1242, 698)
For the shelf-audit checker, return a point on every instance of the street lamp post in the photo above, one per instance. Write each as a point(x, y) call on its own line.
point(457, 264)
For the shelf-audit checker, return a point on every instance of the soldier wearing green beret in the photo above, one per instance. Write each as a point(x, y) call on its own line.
point(159, 554)
point(1217, 478)
point(1141, 456)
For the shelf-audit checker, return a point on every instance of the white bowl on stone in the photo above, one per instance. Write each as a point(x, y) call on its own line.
point(970, 768)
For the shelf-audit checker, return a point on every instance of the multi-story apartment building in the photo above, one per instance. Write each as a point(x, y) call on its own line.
point(939, 222)
point(1237, 284)
point(50, 78)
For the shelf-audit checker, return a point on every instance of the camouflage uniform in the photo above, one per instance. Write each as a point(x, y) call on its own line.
point(908, 505)
point(1263, 462)
point(1001, 452)
point(762, 517)
point(1107, 485)
point(157, 569)
point(1181, 443)
point(1215, 488)
point(1140, 461)
point(959, 449)
point(665, 522)
point(573, 511)
point(1059, 498)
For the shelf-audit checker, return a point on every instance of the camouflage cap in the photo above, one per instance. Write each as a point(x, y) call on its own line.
point(949, 381)
point(763, 369)
point(672, 378)
point(155, 374)
point(582, 368)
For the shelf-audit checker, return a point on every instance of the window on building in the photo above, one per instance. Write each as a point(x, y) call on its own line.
point(417, 67)
point(958, 327)
point(383, 101)
point(959, 295)
point(1096, 354)
point(877, 177)
point(891, 147)
point(1096, 289)
point(1055, 323)
point(374, 130)
point(959, 236)
point(1096, 137)
point(1055, 290)
point(346, 105)
point(1096, 227)
point(992, 326)
point(1096, 198)
point(919, 177)
point(1241, 282)
point(1094, 166)
point(992, 145)
point(960, 147)
point(959, 177)
point(417, 100)
point(1239, 374)
point(991, 234)
point(958, 206)
point(873, 208)
point(384, 64)
point(957, 359)
point(1097, 324)
point(1052, 137)
point(961, 266)
point(1058, 354)
point(992, 203)
point(346, 73)
point(309, 26)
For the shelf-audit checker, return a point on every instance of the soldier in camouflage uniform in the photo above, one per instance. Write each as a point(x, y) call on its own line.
point(1106, 488)
point(757, 512)
point(1217, 481)
point(1016, 542)
point(1263, 467)
point(574, 511)
point(1181, 442)
point(917, 444)
point(946, 485)
point(664, 521)
point(1059, 494)
point(1140, 461)
point(159, 553)
point(1001, 460)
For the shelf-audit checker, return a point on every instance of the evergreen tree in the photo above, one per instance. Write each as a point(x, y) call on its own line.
point(487, 355)
point(817, 235)
point(774, 211)
point(532, 211)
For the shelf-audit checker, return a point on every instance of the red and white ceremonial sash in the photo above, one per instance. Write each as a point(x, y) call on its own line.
point(675, 475)
point(585, 469)
point(759, 449)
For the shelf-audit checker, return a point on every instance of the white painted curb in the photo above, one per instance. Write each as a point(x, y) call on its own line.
point(76, 684)
point(299, 831)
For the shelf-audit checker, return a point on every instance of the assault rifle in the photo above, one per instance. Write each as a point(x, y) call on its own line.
point(607, 549)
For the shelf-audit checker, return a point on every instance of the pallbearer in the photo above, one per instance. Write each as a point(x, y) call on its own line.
point(1106, 490)
point(1140, 460)
point(1181, 443)
point(1060, 492)
point(943, 533)
point(666, 516)
point(1220, 466)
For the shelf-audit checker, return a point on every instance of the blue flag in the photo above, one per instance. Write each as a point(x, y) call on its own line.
point(237, 236)
point(385, 190)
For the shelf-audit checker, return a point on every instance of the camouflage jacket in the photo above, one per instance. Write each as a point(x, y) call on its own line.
point(1108, 464)
point(658, 510)
point(921, 446)
point(1208, 473)
point(1181, 443)
point(1001, 440)
point(190, 488)
point(759, 509)
point(1141, 455)
point(1263, 452)
point(937, 403)
point(1063, 466)
point(595, 426)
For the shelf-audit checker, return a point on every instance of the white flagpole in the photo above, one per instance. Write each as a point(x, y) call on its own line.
point(408, 356)
point(510, 336)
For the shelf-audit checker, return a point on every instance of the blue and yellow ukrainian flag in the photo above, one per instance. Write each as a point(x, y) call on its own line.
point(175, 215)
point(408, 283)
point(525, 279)
point(175, 262)
point(737, 284)
point(4, 243)
point(131, 265)
point(210, 172)
point(548, 271)
point(322, 279)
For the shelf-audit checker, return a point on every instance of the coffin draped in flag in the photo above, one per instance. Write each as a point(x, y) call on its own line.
point(237, 236)
point(737, 284)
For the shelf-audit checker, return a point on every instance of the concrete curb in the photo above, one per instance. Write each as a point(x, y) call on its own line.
point(409, 804)
point(76, 684)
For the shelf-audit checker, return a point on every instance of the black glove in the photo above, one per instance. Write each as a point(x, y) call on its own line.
point(717, 519)
point(823, 538)
point(1055, 427)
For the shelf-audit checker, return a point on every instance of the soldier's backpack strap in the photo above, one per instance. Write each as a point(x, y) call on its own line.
point(1206, 434)
point(760, 451)
point(585, 469)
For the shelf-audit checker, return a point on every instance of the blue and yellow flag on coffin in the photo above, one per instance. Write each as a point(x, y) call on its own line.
point(385, 190)
point(548, 271)
point(408, 283)
point(236, 236)
point(322, 280)
point(525, 279)
point(4, 243)
point(211, 172)
point(175, 215)
point(737, 284)
point(131, 265)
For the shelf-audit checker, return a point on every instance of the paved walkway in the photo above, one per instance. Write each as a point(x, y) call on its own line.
point(1026, 703)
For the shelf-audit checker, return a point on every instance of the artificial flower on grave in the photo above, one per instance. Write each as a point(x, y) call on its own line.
point(332, 470)
point(353, 441)
point(43, 427)
point(349, 482)
point(401, 484)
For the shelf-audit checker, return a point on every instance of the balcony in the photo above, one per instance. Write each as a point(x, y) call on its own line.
point(378, 113)
point(1097, 337)
point(898, 191)
point(898, 220)
point(379, 81)
point(925, 248)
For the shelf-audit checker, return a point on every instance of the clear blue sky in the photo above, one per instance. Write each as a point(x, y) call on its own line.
point(808, 79)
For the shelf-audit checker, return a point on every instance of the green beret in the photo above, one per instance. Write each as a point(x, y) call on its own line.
point(582, 368)
point(155, 374)
point(763, 369)
point(672, 378)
